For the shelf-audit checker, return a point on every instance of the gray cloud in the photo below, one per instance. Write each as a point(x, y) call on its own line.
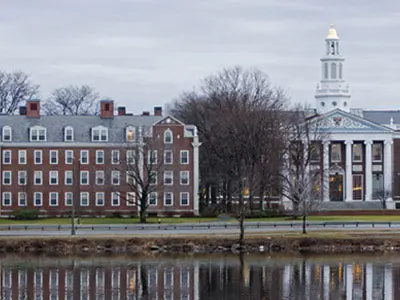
point(144, 53)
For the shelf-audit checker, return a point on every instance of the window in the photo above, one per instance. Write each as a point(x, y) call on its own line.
point(69, 157)
point(340, 70)
point(68, 178)
point(99, 157)
point(7, 178)
point(326, 71)
point(315, 152)
point(38, 177)
point(130, 178)
point(99, 134)
point(168, 136)
point(152, 157)
point(22, 199)
point(22, 177)
point(38, 157)
point(153, 178)
point(336, 153)
point(7, 201)
point(168, 178)
point(184, 177)
point(333, 71)
point(53, 157)
point(68, 134)
point(115, 177)
point(37, 134)
point(377, 186)
point(357, 152)
point(53, 199)
point(84, 157)
point(22, 157)
point(7, 157)
point(99, 199)
point(184, 199)
point(53, 177)
point(84, 199)
point(357, 187)
point(84, 177)
point(377, 152)
point(130, 134)
point(114, 199)
point(7, 134)
point(99, 177)
point(153, 199)
point(130, 157)
point(37, 197)
point(167, 157)
point(68, 198)
point(168, 199)
point(115, 157)
point(130, 199)
point(184, 157)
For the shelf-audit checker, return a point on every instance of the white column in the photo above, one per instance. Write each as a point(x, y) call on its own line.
point(327, 276)
point(325, 188)
point(368, 170)
point(388, 284)
point(349, 173)
point(368, 281)
point(387, 166)
point(196, 144)
point(349, 282)
point(196, 281)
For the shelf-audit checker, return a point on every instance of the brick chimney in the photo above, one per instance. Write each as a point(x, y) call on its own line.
point(22, 110)
point(121, 111)
point(146, 113)
point(33, 108)
point(158, 111)
point(107, 109)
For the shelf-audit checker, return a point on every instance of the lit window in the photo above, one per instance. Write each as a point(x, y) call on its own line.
point(38, 134)
point(7, 177)
point(68, 177)
point(184, 157)
point(7, 201)
point(37, 197)
point(53, 201)
point(7, 157)
point(22, 157)
point(22, 199)
point(168, 136)
point(38, 175)
point(184, 199)
point(68, 198)
point(168, 177)
point(22, 177)
point(38, 157)
point(84, 199)
point(68, 134)
point(130, 134)
point(168, 199)
point(99, 157)
point(99, 134)
point(114, 199)
point(7, 134)
point(53, 157)
point(184, 177)
point(357, 152)
point(99, 199)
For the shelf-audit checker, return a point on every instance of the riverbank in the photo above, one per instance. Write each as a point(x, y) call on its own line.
point(290, 243)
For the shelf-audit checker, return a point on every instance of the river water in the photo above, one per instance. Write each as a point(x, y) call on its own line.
point(216, 277)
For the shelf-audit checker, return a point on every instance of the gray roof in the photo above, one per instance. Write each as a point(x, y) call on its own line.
point(382, 116)
point(82, 126)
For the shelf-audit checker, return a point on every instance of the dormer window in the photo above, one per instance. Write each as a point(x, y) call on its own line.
point(168, 136)
point(99, 134)
point(7, 134)
point(38, 134)
point(68, 134)
point(130, 134)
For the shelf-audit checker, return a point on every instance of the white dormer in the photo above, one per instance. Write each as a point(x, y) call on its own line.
point(7, 134)
point(99, 134)
point(38, 134)
point(130, 134)
point(168, 137)
point(68, 134)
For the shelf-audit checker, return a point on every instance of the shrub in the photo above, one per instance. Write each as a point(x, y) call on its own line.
point(115, 214)
point(25, 214)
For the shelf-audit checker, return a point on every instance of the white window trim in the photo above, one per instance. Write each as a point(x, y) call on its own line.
point(65, 133)
point(377, 160)
point(112, 199)
point(99, 172)
point(155, 193)
point(112, 157)
point(50, 193)
point(97, 156)
point(41, 177)
point(165, 136)
point(112, 177)
point(37, 128)
point(50, 156)
point(130, 195)
point(156, 178)
point(65, 177)
point(128, 157)
point(50, 177)
point(87, 155)
point(19, 198)
point(149, 157)
point(180, 157)
point(19, 177)
point(81, 177)
point(80, 198)
point(165, 198)
point(5, 128)
point(41, 157)
point(34, 198)
point(4, 177)
point(181, 198)
point(19, 156)
point(172, 177)
point(165, 157)
point(97, 198)
point(127, 129)
point(100, 129)
point(4, 196)
point(65, 198)
point(66, 157)
point(188, 177)
point(340, 153)
point(4, 157)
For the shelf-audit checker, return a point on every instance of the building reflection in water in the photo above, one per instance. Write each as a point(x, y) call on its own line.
point(198, 279)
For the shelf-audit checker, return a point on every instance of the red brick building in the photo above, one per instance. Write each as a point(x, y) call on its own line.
point(51, 163)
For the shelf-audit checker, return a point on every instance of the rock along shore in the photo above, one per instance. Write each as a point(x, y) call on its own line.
point(82, 246)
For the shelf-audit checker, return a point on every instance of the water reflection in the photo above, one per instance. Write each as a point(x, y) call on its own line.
point(215, 277)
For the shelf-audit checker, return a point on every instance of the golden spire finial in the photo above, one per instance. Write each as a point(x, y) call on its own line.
point(332, 34)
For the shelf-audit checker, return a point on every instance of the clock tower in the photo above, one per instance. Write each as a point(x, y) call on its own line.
point(332, 92)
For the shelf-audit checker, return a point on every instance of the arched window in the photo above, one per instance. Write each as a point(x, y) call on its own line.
point(326, 71)
point(340, 71)
point(333, 71)
point(168, 136)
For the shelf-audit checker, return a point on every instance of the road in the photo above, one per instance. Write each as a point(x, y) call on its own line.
point(216, 228)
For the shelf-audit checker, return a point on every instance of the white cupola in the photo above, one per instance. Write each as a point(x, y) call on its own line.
point(332, 92)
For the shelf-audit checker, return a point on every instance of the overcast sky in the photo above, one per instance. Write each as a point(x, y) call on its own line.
point(144, 53)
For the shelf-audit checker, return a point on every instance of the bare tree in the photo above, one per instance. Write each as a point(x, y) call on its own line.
point(15, 88)
point(72, 100)
point(383, 196)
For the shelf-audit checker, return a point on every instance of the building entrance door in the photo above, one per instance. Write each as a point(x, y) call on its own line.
point(336, 187)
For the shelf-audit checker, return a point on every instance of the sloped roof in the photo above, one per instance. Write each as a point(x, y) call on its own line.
point(382, 116)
